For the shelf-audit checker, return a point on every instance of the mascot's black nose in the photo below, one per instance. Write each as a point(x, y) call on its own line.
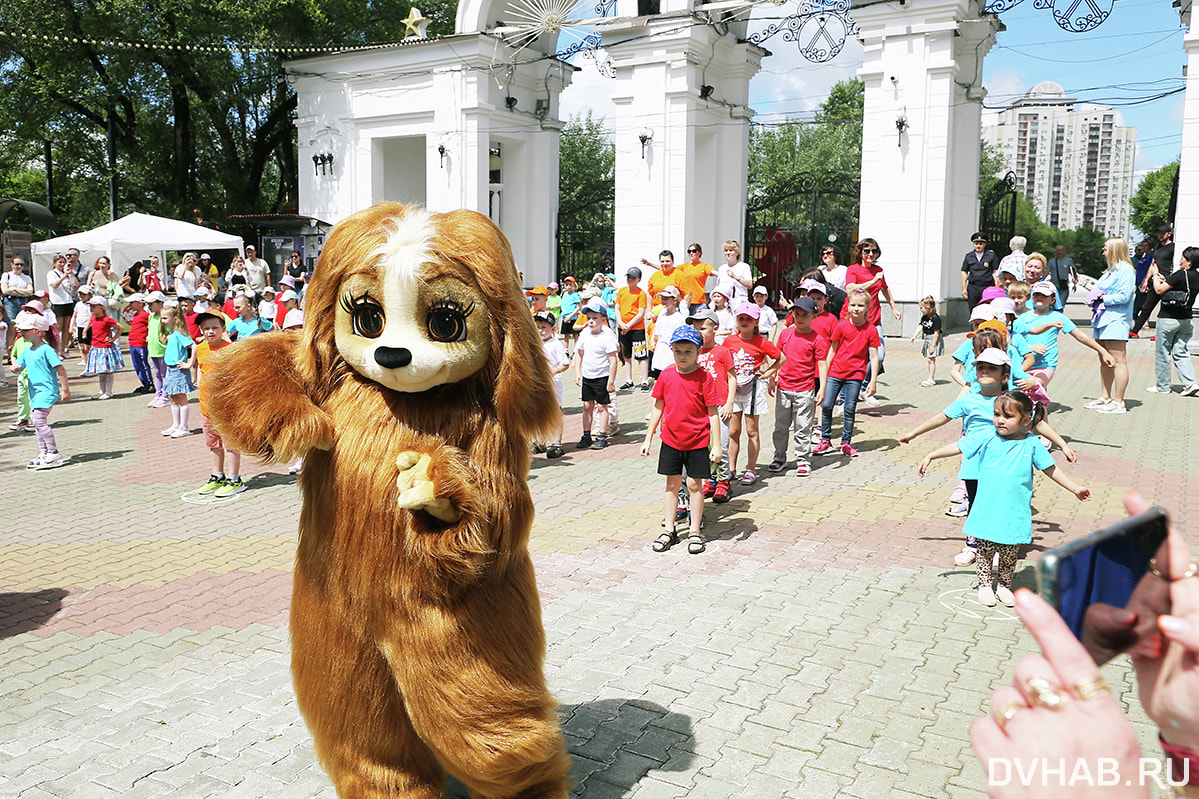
point(392, 357)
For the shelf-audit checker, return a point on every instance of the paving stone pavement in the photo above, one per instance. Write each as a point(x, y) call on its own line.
point(823, 646)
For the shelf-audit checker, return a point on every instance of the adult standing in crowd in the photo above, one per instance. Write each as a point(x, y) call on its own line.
point(1142, 259)
point(152, 275)
point(80, 270)
point(188, 276)
point(257, 270)
point(1111, 305)
point(1013, 262)
point(667, 275)
point(1163, 265)
point(735, 273)
point(298, 272)
point(1061, 271)
point(694, 278)
point(1174, 327)
point(60, 283)
point(17, 288)
point(831, 267)
point(1034, 272)
point(978, 270)
point(865, 273)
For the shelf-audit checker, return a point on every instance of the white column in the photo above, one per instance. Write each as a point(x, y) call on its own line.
point(687, 183)
point(919, 194)
point(1186, 217)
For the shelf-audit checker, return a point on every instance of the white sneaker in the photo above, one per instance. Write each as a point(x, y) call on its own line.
point(1005, 596)
point(1156, 390)
point(182, 432)
point(986, 596)
point(965, 557)
point(169, 431)
point(1191, 390)
point(871, 400)
point(50, 460)
point(959, 510)
point(159, 403)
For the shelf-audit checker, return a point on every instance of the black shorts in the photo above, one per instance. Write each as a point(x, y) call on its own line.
point(62, 309)
point(568, 327)
point(629, 339)
point(671, 461)
point(595, 389)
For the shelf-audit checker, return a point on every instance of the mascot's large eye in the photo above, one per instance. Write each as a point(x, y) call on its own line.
point(366, 315)
point(447, 321)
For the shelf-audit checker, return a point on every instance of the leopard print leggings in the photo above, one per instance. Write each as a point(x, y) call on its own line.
point(1009, 554)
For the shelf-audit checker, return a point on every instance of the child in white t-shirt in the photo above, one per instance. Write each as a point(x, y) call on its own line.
point(595, 371)
point(669, 318)
point(555, 355)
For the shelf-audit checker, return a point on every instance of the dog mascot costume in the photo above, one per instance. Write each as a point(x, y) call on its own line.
point(413, 392)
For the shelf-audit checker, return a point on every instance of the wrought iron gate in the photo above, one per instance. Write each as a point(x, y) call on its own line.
point(786, 227)
point(997, 214)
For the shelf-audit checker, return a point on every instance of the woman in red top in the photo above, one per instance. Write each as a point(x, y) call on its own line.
point(104, 357)
point(865, 273)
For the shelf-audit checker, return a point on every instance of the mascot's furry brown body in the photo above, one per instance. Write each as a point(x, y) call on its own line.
point(413, 392)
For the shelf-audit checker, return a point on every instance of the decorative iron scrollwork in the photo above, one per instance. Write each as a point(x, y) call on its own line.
point(1075, 16)
point(818, 27)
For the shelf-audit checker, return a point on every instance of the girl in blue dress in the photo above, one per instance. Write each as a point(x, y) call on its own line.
point(178, 383)
point(1001, 514)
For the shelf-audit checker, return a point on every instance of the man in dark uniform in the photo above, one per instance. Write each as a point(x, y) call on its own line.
point(978, 270)
point(1163, 264)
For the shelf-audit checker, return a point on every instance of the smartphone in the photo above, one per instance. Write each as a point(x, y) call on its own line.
point(1106, 566)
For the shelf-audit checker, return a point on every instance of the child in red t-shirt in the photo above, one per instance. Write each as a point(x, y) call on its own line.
point(685, 400)
point(139, 335)
point(854, 345)
point(750, 351)
point(794, 407)
point(718, 362)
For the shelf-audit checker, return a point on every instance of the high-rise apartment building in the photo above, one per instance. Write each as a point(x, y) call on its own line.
point(1072, 160)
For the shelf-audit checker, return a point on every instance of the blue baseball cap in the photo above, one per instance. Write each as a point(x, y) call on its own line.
point(686, 333)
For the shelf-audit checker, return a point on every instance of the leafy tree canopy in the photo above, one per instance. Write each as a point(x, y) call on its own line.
point(1151, 201)
point(194, 130)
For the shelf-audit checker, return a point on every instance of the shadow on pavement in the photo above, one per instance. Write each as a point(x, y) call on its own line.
point(88, 457)
point(615, 743)
point(22, 612)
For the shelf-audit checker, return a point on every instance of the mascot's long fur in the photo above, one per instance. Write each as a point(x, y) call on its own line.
point(413, 393)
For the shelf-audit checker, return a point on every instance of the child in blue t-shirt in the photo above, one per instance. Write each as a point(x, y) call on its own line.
point(41, 366)
point(178, 383)
point(1041, 327)
point(1002, 510)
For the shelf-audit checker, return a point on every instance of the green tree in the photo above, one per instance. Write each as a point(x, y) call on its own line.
point(586, 197)
point(1151, 201)
point(199, 121)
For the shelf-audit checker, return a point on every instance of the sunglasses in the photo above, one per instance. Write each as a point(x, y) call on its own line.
point(689, 252)
point(870, 250)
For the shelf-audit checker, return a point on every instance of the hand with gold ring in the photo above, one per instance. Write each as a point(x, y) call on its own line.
point(1058, 706)
point(1167, 664)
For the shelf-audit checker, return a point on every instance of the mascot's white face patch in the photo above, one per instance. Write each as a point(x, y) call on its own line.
point(412, 324)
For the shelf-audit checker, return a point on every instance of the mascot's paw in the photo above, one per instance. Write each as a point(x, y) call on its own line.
point(418, 491)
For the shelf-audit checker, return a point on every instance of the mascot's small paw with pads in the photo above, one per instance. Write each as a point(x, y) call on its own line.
point(418, 492)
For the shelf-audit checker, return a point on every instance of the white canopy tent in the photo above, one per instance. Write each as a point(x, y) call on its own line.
point(129, 239)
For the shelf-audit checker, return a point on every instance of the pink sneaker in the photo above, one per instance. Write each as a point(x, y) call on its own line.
point(848, 451)
point(823, 447)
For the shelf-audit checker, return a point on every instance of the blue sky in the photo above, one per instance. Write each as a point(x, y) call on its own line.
point(1135, 54)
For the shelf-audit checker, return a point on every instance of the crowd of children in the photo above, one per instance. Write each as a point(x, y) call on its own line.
point(715, 369)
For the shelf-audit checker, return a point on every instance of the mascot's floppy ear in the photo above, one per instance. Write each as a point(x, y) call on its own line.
point(524, 390)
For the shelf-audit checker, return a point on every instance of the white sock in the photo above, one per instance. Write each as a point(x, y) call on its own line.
point(183, 413)
point(174, 416)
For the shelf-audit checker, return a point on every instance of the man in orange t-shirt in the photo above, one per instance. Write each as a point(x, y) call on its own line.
point(694, 278)
point(667, 275)
point(632, 304)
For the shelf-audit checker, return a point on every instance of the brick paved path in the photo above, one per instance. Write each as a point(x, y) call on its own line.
point(823, 646)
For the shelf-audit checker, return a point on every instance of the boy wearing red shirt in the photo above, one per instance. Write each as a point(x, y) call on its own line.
point(795, 383)
point(750, 350)
point(718, 362)
point(854, 347)
point(823, 322)
point(685, 399)
point(139, 336)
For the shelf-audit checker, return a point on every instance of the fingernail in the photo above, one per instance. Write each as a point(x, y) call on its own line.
point(1173, 625)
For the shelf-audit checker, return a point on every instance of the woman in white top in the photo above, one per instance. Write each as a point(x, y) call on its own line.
point(735, 272)
point(834, 272)
point(61, 283)
point(106, 284)
point(188, 276)
point(17, 288)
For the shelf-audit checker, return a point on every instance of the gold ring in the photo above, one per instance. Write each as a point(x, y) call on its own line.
point(1045, 693)
point(1007, 713)
point(1191, 571)
point(1089, 688)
